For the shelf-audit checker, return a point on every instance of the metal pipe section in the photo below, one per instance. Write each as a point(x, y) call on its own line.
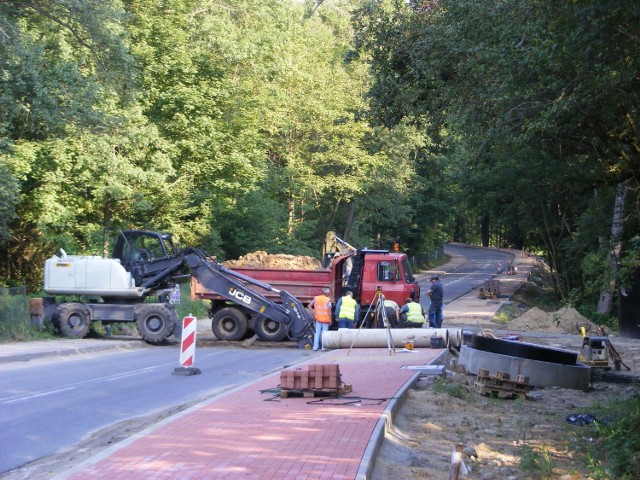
point(377, 337)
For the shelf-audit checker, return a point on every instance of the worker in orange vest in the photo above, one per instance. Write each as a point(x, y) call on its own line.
point(320, 307)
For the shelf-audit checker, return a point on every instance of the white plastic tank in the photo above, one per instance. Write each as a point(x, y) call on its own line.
point(88, 275)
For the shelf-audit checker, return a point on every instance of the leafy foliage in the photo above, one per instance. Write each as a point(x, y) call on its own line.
point(253, 124)
point(14, 316)
point(610, 446)
point(535, 105)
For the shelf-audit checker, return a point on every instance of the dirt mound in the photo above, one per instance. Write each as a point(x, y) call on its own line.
point(565, 320)
point(261, 259)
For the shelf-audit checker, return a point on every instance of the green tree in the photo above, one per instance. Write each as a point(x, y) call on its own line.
point(541, 99)
point(66, 96)
point(8, 199)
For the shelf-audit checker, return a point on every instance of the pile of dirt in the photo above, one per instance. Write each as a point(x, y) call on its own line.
point(565, 320)
point(261, 259)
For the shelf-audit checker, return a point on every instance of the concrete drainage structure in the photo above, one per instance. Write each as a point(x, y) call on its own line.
point(545, 367)
point(377, 337)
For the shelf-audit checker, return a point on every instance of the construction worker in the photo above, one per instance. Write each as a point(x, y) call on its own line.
point(347, 311)
point(393, 313)
point(412, 314)
point(320, 307)
point(435, 308)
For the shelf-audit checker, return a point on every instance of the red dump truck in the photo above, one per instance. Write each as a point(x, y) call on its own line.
point(361, 271)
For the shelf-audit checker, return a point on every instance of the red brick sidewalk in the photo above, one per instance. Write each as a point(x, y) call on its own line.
point(254, 435)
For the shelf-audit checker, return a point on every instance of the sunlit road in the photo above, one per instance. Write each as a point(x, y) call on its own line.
point(477, 265)
point(58, 403)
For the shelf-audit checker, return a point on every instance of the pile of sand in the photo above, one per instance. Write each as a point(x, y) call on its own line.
point(262, 259)
point(565, 320)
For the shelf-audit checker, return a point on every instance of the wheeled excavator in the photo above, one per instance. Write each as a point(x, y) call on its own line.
point(147, 265)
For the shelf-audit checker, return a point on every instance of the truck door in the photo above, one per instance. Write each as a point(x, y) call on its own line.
point(412, 289)
point(385, 274)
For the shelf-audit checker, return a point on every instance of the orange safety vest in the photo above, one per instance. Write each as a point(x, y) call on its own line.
point(322, 309)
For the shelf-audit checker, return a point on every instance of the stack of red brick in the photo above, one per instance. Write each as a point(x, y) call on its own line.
point(323, 376)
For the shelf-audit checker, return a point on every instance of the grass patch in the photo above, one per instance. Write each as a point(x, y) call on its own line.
point(453, 389)
point(536, 461)
point(195, 308)
point(15, 320)
point(610, 447)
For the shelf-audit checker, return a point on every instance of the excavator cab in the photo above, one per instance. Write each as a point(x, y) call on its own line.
point(151, 257)
point(141, 246)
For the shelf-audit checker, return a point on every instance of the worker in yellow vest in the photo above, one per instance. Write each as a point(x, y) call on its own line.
point(347, 311)
point(320, 307)
point(412, 314)
point(392, 311)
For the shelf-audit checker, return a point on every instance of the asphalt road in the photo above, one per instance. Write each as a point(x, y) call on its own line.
point(60, 403)
point(473, 266)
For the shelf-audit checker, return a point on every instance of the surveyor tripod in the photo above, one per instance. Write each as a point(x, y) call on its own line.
point(380, 310)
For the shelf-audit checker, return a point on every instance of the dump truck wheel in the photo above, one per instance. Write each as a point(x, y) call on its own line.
point(73, 320)
point(270, 330)
point(155, 322)
point(229, 324)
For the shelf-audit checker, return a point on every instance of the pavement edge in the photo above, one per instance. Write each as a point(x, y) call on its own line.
point(385, 422)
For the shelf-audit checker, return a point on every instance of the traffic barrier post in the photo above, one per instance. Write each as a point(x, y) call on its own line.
point(188, 348)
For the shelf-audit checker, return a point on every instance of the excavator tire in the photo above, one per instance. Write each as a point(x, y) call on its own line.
point(229, 324)
point(73, 320)
point(270, 330)
point(155, 322)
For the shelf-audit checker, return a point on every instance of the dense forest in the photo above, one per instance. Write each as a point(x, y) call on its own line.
point(240, 125)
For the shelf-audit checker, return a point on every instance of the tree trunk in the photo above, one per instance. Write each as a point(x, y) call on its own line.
point(106, 229)
point(617, 227)
point(551, 240)
point(291, 216)
point(351, 215)
point(484, 230)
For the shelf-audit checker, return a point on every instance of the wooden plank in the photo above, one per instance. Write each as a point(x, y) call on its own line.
point(308, 393)
point(497, 392)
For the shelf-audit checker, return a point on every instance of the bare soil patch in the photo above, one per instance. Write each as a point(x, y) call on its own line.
point(507, 434)
point(514, 438)
point(565, 320)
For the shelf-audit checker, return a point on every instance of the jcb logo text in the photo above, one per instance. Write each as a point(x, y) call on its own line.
point(240, 296)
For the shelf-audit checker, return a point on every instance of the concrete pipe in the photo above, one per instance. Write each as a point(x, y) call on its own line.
point(377, 337)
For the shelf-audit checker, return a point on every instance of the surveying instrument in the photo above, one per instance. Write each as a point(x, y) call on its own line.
point(381, 313)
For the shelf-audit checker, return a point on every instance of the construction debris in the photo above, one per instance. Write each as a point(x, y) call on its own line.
point(491, 289)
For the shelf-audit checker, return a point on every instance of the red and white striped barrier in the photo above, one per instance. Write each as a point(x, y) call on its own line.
point(188, 347)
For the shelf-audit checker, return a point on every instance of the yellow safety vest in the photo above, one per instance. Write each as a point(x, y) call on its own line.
point(347, 308)
point(414, 314)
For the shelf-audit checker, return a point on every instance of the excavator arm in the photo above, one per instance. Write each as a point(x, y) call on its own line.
point(222, 281)
point(233, 286)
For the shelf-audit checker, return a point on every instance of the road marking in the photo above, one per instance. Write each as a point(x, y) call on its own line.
point(20, 398)
point(71, 386)
point(130, 373)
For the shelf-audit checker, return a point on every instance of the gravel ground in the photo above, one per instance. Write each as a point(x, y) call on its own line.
point(513, 438)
